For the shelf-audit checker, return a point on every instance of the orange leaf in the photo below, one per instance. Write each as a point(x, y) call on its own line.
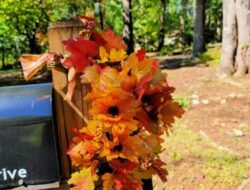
point(169, 111)
point(31, 64)
point(112, 40)
point(108, 181)
point(144, 120)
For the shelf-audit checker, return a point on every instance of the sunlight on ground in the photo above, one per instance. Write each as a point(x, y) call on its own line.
point(193, 162)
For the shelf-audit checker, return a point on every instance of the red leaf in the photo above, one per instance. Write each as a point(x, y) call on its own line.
point(123, 182)
point(95, 36)
point(82, 53)
point(83, 136)
point(125, 167)
point(88, 18)
point(140, 54)
point(156, 168)
point(143, 85)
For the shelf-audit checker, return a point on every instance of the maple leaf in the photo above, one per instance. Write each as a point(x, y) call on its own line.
point(144, 120)
point(82, 53)
point(152, 142)
point(95, 36)
point(143, 85)
point(103, 55)
point(75, 152)
point(140, 54)
point(100, 78)
point(31, 64)
point(142, 174)
point(83, 150)
point(125, 182)
point(169, 111)
point(123, 166)
point(117, 55)
point(83, 180)
point(82, 135)
point(156, 168)
point(136, 67)
point(112, 40)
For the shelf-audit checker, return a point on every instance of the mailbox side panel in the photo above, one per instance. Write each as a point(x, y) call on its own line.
point(27, 141)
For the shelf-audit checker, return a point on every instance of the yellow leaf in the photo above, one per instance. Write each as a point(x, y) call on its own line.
point(103, 55)
point(142, 174)
point(136, 67)
point(89, 12)
point(101, 78)
point(83, 180)
point(116, 56)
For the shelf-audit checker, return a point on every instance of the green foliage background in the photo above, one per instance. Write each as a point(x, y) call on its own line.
point(20, 20)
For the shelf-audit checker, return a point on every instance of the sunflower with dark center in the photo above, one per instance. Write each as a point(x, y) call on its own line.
point(113, 110)
point(119, 144)
point(114, 105)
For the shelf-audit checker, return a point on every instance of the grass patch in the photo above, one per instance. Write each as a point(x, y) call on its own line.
point(212, 55)
point(184, 101)
point(218, 166)
point(9, 71)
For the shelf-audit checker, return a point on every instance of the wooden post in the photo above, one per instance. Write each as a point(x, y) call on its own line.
point(66, 116)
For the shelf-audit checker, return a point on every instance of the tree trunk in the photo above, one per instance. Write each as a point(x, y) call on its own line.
point(101, 16)
point(34, 48)
point(199, 28)
point(219, 28)
point(236, 38)
point(128, 25)
point(182, 22)
point(162, 25)
point(3, 59)
point(242, 61)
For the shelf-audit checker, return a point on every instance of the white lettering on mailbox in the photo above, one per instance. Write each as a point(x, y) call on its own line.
point(5, 174)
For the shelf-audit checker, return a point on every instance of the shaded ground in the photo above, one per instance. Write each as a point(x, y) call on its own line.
point(210, 146)
point(15, 77)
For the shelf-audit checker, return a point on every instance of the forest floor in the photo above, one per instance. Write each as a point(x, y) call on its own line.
point(209, 148)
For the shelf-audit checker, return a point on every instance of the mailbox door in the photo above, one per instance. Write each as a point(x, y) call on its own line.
point(27, 140)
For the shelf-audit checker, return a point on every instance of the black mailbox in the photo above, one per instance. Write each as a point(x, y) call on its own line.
point(28, 153)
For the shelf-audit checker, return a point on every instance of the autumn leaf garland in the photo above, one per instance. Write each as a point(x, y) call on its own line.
point(131, 108)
